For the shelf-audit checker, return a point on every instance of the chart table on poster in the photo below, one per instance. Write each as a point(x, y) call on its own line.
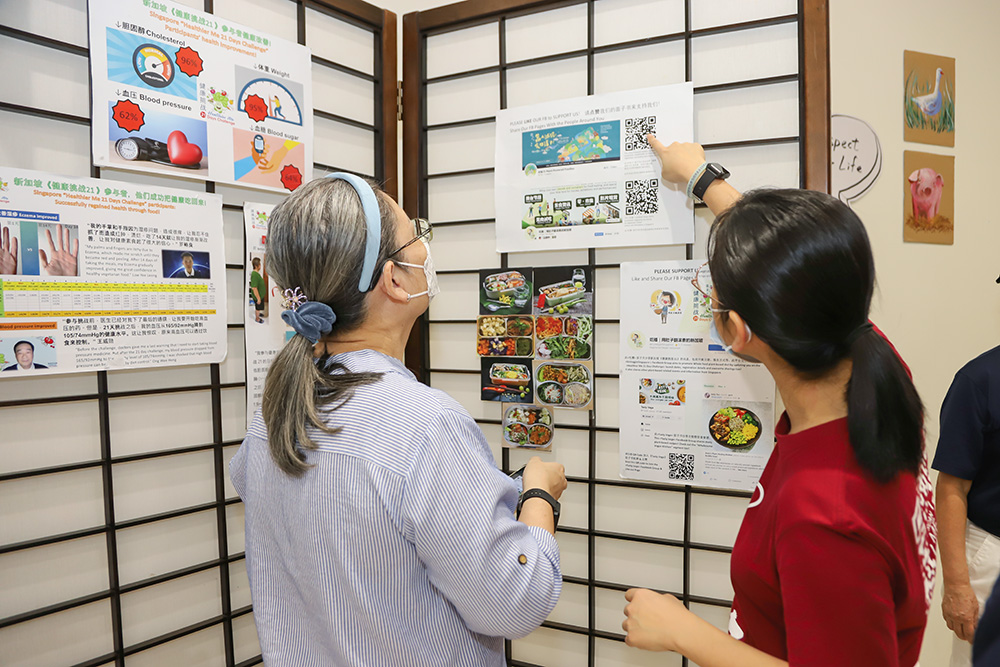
point(103, 275)
point(21, 298)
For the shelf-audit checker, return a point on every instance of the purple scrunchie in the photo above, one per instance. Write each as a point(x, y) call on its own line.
point(311, 320)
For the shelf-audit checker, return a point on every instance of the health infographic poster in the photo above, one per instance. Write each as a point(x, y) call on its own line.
point(579, 173)
point(691, 412)
point(185, 93)
point(265, 332)
point(102, 275)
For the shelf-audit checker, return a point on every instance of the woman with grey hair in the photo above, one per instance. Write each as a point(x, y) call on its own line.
point(379, 531)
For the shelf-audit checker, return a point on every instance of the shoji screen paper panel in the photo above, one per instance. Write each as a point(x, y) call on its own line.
point(121, 536)
point(760, 72)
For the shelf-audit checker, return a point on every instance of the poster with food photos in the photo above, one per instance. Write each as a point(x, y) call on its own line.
point(579, 173)
point(535, 335)
point(190, 94)
point(692, 412)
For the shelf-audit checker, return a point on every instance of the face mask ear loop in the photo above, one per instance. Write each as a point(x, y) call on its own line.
point(373, 223)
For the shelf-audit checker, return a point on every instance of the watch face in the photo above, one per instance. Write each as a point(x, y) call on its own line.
point(718, 170)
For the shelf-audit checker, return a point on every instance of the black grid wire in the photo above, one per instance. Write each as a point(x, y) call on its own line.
point(103, 396)
point(492, 14)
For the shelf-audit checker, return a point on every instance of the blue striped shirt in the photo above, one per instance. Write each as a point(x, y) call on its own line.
point(400, 546)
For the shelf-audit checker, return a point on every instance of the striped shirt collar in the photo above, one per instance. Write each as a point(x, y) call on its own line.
point(370, 361)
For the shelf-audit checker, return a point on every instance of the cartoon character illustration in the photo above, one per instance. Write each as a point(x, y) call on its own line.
point(220, 100)
point(276, 108)
point(925, 188)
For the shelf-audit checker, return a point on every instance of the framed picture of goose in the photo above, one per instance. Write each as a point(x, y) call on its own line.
point(928, 99)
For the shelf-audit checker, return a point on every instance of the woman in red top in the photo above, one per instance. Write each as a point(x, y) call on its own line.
point(834, 563)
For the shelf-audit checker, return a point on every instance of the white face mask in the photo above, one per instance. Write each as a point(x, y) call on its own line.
point(716, 337)
point(429, 274)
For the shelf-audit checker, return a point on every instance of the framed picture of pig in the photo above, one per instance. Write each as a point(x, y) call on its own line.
point(928, 198)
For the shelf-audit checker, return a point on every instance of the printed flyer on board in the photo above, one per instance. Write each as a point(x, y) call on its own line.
point(579, 173)
point(189, 94)
point(691, 412)
point(99, 275)
point(264, 332)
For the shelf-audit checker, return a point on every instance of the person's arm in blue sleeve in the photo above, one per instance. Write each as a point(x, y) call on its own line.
point(501, 575)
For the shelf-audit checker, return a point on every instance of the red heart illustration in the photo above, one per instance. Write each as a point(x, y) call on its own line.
point(180, 151)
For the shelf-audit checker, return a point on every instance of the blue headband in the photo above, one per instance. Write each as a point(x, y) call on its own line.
point(373, 219)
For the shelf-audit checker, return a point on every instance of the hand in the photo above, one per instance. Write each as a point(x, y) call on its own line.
point(961, 610)
point(550, 477)
point(60, 262)
point(678, 161)
point(654, 622)
point(8, 254)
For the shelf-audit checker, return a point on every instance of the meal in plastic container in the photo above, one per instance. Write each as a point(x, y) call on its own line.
point(510, 375)
point(735, 427)
point(503, 283)
point(528, 426)
point(561, 292)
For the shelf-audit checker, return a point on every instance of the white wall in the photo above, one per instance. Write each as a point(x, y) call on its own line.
point(938, 304)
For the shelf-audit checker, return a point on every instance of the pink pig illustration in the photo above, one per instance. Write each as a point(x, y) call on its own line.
point(925, 187)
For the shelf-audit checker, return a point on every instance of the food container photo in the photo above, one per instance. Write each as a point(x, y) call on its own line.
point(561, 292)
point(563, 347)
point(510, 375)
point(505, 283)
point(491, 326)
point(564, 384)
point(528, 426)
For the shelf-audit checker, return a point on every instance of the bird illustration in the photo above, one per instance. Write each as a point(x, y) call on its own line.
point(930, 104)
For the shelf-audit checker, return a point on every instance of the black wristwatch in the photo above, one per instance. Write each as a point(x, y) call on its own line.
point(713, 170)
point(545, 495)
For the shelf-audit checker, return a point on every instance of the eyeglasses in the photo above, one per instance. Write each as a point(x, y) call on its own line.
point(703, 277)
point(423, 229)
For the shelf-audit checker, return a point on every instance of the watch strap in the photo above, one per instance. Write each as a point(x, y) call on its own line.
point(544, 495)
point(698, 173)
point(712, 172)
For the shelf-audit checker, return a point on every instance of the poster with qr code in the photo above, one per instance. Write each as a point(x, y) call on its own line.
point(691, 412)
point(579, 173)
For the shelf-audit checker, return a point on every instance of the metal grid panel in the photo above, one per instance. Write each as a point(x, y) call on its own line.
point(615, 533)
point(119, 523)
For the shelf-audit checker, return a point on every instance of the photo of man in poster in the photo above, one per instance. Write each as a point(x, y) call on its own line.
point(24, 352)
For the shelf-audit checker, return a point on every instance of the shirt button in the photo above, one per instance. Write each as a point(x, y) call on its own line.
point(522, 559)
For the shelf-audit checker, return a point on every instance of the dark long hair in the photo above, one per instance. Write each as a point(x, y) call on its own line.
point(316, 241)
point(797, 266)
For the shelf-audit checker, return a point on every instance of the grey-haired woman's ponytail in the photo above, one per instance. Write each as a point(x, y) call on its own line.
point(316, 243)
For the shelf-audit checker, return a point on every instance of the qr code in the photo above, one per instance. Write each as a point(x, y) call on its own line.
point(636, 130)
point(681, 466)
point(642, 196)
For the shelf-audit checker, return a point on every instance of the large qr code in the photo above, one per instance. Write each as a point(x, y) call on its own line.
point(642, 196)
point(680, 466)
point(636, 130)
